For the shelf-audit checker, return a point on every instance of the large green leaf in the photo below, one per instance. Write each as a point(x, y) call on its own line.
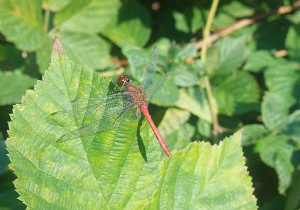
point(171, 127)
point(194, 101)
point(13, 86)
point(21, 23)
point(284, 80)
point(279, 153)
point(112, 170)
point(89, 16)
point(87, 49)
point(253, 133)
point(292, 42)
point(243, 89)
point(206, 177)
point(260, 60)
point(291, 128)
point(274, 112)
point(225, 56)
point(55, 5)
point(130, 26)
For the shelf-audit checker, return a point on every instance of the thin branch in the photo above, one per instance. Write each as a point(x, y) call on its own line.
point(248, 21)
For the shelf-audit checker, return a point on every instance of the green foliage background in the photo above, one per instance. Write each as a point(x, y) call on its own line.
point(253, 75)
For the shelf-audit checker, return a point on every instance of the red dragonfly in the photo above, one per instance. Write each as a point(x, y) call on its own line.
point(114, 110)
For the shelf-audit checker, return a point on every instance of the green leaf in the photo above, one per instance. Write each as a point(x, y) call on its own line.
point(86, 16)
point(278, 152)
point(131, 26)
point(167, 94)
point(259, 61)
point(293, 196)
point(43, 55)
point(291, 128)
point(170, 127)
point(206, 177)
point(183, 77)
point(87, 49)
point(115, 169)
point(237, 9)
point(138, 60)
point(292, 42)
point(13, 85)
point(284, 80)
point(244, 89)
point(55, 5)
point(21, 23)
point(274, 112)
point(253, 133)
point(225, 56)
point(225, 101)
point(195, 101)
point(204, 128)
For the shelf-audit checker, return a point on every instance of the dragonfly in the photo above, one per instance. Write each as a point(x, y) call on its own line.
point(115, 110)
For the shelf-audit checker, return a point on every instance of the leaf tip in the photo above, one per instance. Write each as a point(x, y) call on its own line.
point(57, 47)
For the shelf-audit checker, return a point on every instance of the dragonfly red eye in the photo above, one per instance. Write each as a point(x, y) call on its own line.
point(123, 79)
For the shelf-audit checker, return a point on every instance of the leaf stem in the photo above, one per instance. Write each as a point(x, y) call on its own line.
point(206, 44)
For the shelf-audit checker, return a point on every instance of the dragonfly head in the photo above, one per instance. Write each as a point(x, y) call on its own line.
point(123, 80)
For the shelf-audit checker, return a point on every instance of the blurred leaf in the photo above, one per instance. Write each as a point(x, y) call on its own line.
point(293, 196)
point(86, 16)
point(225, 56)
point(13, 85)
point(9, 197)
point(284, 80)
point(172, 120)
point(171, 127)
point(86, 49)
point(181, 54)
point(56, 5)
point(292, 42)
point(21, 23)
point(294, 17)
point(183, 77)
point(274, 112)
point(200, 173)
point(291, 128)
point(92, 172)
point(43, 55)
point(180, 22)
point(260, 60)
point(167, 94)
point(253, 133)
point(225, 101)
point(138, 60)
point(191, 20)
point(237, 9)
point(163, 46)
point(277, 152)
point(204, 128)
point(244, 89)
point(131, 26)
point(196, 102)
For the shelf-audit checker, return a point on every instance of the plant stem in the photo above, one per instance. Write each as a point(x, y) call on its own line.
point(206, 44)
point(47, 17)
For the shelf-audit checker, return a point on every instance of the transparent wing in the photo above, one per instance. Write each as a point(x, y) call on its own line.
point(150, 92)
point(95, 115)
point(149, 74)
